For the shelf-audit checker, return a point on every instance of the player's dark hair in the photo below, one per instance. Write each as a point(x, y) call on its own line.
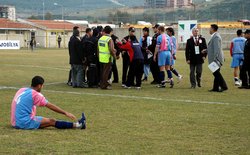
point(36, 81)
point(88, 30)
point(239, 32)
point(171, 30)
point(107, 29)
point(161, 28)
point(145, 29)
point(214, 27)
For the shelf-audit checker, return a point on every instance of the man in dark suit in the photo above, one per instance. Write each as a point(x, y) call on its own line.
point(215, 54)
point(154, 68)
point(245, 69)
point(194, 56)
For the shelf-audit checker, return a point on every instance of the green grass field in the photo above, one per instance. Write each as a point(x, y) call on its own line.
point(147, 121)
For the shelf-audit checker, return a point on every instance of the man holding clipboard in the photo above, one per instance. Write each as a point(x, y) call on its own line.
point(216, 59)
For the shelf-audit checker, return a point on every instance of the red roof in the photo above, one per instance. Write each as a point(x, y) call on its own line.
point(8, 24)
point(58, 25)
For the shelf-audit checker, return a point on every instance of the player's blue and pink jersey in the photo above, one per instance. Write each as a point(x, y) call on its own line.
point(23, 108)
point(173, 44)
point(163, 42)
point(164, 56)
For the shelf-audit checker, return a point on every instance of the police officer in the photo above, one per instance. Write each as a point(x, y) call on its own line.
point(126, 56)
point(106, 54)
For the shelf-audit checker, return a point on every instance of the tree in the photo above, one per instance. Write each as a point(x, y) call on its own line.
point(119, 16)
point(32, 17)
point(48, 16)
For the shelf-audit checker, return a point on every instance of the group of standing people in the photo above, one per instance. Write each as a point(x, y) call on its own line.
point(95, 55)
point(197, 50)
point(93, 58)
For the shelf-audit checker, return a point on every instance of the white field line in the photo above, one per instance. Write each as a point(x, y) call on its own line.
point(138, 97)
point(32, 66)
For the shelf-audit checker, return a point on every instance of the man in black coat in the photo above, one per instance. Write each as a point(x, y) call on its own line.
point(76, 59)
point(195, 57)
point(154, 68)
point(245, 70)
point(114, 69)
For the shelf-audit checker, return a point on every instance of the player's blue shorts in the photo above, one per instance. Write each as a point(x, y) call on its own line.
point(32, 124)
point(172, 61)
point(164, 58)
point(237, 60)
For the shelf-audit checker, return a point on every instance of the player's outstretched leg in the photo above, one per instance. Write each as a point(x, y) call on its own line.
point(47, 122)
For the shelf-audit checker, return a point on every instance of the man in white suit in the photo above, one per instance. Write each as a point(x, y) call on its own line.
point(215, 54)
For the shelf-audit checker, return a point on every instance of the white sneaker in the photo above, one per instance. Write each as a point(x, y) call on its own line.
point(123, 85)
point(126, 87)
point(110, 81)
point(138, 88)
point(237, 83)
point(180, 77)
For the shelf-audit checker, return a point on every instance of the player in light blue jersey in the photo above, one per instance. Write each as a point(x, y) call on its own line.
point(173, 43)
point(237, 53)
point(163, 50)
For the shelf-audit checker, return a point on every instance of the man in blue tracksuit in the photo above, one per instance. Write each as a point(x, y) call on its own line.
point(136, 66)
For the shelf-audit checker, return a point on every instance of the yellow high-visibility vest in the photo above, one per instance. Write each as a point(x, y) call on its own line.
point(104, 53)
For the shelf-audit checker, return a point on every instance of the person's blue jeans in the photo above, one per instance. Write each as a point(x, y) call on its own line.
point(146, 70)
point(77, 75)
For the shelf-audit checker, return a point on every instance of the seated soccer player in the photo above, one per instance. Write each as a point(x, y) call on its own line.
point(23, 110)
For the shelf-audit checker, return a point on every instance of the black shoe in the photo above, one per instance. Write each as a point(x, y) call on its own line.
point(171, 84)
point(144, 79)
point(221, 90)
point(94, 86)
point(161, 86)
point(213, 90)
point(154, 82)
point(199, 85)
point(114, 81)
point(243, 87)
point(69, 83)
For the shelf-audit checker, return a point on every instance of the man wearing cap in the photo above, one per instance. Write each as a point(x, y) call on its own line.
point(154, 64)
point(245, 70)
point(126, 56)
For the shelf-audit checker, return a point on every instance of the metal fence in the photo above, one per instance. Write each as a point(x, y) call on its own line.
point(43, 41)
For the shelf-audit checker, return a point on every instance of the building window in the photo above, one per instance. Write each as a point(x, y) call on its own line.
point(19, 32)
point(53, 33)
point(2, 31)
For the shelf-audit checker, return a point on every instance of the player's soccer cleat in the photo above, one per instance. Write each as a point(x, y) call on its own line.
point(83, 121)
point(162, 85)
point(167, 81)
point(180, 77)
point(171, 83)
